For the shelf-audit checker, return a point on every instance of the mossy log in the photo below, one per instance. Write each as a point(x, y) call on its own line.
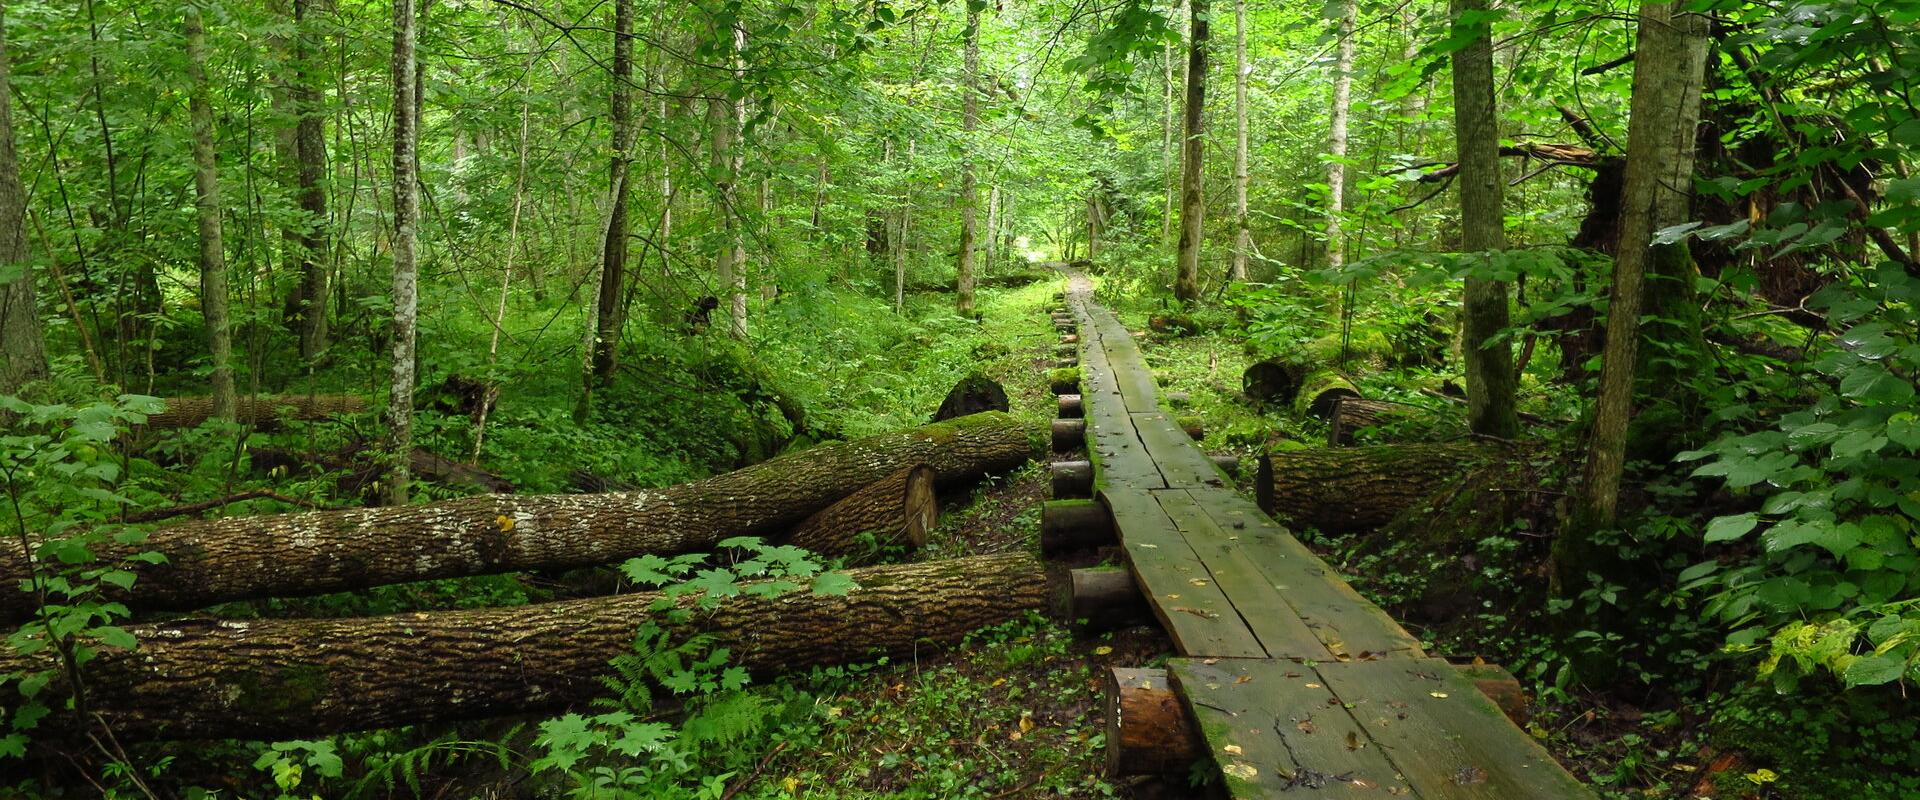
point(286, 679)
point(1320, 391)
point(1173, 325)
point(260, 412)
point(897, 510)
point(1350, 414)
point(1193, 427)
point(240, 558)
point(972, 395)
point(1068, 525)
point(1341, 490)
point(1065, 380)
point(1274, 381)
point(1229, 464)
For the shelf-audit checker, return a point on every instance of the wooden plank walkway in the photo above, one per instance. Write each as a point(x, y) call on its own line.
point(1296, 681)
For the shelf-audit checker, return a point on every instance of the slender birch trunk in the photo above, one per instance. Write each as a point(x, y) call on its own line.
point(406, 267)
point(1337, 135)
point(1242, 238)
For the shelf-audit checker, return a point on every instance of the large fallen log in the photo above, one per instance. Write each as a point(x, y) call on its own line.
point(262, 412)
point(1341, 490)
point(280, 679)
point(1351, 414)
point(897, 510)
point(242, 558)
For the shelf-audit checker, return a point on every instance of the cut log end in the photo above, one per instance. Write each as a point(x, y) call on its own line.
point(898, 510)
point(1148, 730)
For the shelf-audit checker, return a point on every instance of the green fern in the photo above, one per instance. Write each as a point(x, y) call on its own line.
point(407, 766)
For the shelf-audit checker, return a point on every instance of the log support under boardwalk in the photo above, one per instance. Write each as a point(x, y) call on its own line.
point(1070, 407)
point(1105, 599)
point(1068, 525)
point(1072, 480)
point(1069, 435)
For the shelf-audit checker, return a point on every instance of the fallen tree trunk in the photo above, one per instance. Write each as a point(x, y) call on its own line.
point(1350, 414)
point(280, 679)
point(242, 558)
point(260, 412)
point(1341, 490)
point(897, 510)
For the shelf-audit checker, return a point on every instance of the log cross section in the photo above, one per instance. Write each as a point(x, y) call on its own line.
point(1294, 679)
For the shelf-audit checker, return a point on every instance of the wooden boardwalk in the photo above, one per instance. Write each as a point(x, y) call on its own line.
point(1295, 680)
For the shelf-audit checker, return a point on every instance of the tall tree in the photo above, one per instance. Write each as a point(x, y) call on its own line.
point(206, 189)
point(1193, 200)
point(406, 239)
point(1668, 73)
point(1242, 236)
point(23, 351)
point(1489, 361)
point(309, 173)
point(611, 316)
point(969, 121)
point(1337, 133)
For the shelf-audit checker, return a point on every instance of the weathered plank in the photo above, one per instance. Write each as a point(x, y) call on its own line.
point(1274, 727)
point(1448, 739)
point(1194, 611)
point(1281, 632)
point(1347, 623)
point(1181, 463)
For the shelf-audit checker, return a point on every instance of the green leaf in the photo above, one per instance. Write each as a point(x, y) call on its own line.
point(834, 584)
point(1724, 529)
point(1875, 670)
point(115, 637)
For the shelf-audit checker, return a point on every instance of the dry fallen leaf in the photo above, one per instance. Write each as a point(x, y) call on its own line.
point(1441, 695)
point(1243, 679)
point(1306, 726)
point(1098, 651)
point(1313, 686)
point(1210, 661)
point(1353, 741)
point(1233, 750)
point(1245, 772)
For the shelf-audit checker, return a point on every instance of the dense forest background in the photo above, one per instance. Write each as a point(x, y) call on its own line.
point(580, 245)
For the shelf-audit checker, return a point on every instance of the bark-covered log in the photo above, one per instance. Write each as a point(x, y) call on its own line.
point(1069, 435)
point(1178, 399)
point(1340, 490)
point(1275, 381)
point(1148, 729)
point(281, 679)
point(1064, 381)
point(1068, 525)
point(1350, 414)
point(1069, 338)
point(1173, 325)
point(1105, 599)
point(897, 510)
point(1072, 480)
point(1071, 407)
point(242, 558)
point(1229, 464)
point(260, 412)
point(1066, 363)
point(972, 395)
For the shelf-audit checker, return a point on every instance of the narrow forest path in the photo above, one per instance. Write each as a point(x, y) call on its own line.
point(1293, 678)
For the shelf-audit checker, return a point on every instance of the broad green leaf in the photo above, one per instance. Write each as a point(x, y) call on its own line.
point(1729, 528)
point(1875, 670)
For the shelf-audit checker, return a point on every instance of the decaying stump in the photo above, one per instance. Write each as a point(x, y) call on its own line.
point(284, 679)
point(1341, 490)
point(211, 561)
point(972, 395)
point(897, 510)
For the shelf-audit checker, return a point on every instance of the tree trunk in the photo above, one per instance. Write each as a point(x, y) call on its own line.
point(1193, 208)
point(897, 510)
point(310, 167)
point(281, 679)
point(1668, 70)
point(1350, 414)
point(23, 350)
point(736, 167)
point(1242, 237)
point(406, 267)
point(239, 558)
point(611, 306)
point(969, 121)
point(1490, 373)
point(258, 411)
point(1337, 134)
point(1342, 490)
point(206, 189)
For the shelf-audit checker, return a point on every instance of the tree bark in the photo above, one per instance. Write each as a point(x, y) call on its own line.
point(1342, 490)
point(611, 307)
point(1668, 71)
point(1337, 133)
point(206, 190)
point(897, 510)
point(1148, 730)
point(1350, 414)
point(1193, 201)
point(1489, 364)
point(23, 349)
point(261, 412)
point(310, 167)
point(280, 679)
point(406, 267)
point(1242, 237)
point(240, 558)
point(969, 121)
